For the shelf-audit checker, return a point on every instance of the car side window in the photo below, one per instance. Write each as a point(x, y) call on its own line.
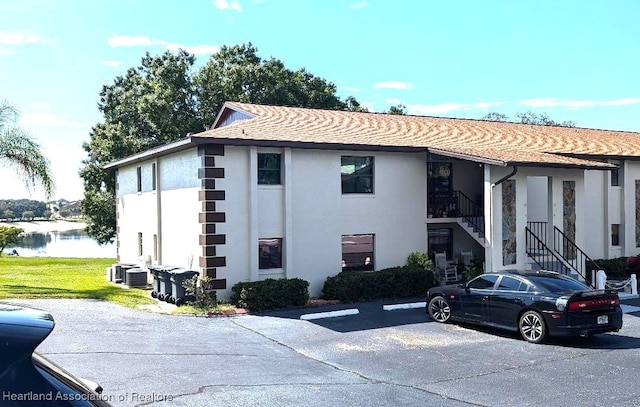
point(483, 282)
point(510, 284)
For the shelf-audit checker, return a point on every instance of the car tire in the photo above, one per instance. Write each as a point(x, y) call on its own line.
point(532, 327)
point(439, 309)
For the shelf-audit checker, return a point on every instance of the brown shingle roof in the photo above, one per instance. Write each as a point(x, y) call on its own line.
point(504, 143)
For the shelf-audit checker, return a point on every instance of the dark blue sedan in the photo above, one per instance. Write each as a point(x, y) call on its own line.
point(27, 378)
point(538, 304)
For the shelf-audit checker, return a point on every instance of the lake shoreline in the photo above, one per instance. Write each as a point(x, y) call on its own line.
point(45, 226)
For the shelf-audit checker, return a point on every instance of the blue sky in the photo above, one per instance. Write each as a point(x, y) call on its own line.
point(574, 60)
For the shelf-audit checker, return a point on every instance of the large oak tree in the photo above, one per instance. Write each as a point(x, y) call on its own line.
point(165, 98)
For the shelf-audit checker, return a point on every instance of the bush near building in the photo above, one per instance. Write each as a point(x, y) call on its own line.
point(270, 294)
point(395, 282)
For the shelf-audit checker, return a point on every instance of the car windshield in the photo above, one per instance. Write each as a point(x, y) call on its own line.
point(557, 285)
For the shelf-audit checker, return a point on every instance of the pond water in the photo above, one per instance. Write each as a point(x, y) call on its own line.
point(70, 243)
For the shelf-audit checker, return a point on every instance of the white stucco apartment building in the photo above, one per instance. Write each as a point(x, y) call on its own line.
point(274, 192)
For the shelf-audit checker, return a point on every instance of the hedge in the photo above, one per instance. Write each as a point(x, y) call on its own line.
point(614, 268)
point(394, 282)
point(270, 294)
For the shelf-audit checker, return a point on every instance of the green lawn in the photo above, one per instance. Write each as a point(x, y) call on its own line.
point(44, 277)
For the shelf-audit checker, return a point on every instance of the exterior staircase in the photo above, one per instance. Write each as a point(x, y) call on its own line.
point(561, 254)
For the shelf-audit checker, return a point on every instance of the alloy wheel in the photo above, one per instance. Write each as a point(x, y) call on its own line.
point(532, 327)
point(439, 309)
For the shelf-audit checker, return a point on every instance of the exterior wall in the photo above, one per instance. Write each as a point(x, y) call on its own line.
point(176, 198)
point(310, 214)
point(631, 209)
point(136, 213)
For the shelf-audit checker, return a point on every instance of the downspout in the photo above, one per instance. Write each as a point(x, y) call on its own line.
point(498, 182)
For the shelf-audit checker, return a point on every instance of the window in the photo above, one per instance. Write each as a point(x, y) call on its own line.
point(441, 240)
point(140, 244)
point(139, 178)
point(357, 175)
point(483, 282)
point(615, 234)
point(615, 177)
point(357, 253)
point(153, 176)
point(269, 169)
point(270, 254)
point(511, 284)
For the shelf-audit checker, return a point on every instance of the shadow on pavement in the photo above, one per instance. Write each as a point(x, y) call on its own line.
point(371, 316)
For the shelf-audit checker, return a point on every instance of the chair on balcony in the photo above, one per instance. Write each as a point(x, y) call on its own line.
point(448, 271)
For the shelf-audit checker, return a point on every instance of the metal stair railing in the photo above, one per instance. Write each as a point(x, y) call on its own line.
point(470, 213)
point(544, 257)
point(572, 254)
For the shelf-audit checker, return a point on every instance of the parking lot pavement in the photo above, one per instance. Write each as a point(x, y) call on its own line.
point(373, 358)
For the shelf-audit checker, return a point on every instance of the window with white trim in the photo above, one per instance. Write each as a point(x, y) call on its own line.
point(356, 173)
point(357, 252)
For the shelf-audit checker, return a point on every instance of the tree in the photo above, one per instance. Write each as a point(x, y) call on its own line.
point(20, 151)
point(150, 105)
point(528, 117)
point(398, 109)
point(8, 214)
point(28, 215)
point(8, 236)
point(238, 74)
point(162, 100)
point(495, 117)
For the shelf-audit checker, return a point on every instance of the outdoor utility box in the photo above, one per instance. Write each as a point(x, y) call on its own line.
point(179, 293)
point(118, 272)
point(136, 277)
point(160, 278)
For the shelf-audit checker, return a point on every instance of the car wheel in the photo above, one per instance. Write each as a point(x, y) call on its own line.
point(439, 309)
point(532, 327)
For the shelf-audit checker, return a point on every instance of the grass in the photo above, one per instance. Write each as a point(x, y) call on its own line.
point(45, 277)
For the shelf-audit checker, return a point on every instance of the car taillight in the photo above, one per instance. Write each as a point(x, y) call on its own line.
point(586, 304)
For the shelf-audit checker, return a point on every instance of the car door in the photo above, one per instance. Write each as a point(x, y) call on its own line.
point(506, 301)
point(475, 297)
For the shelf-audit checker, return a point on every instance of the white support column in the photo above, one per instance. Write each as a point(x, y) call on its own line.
point(634, 285)
point(253, 214)
point(601, 280)
point(488, 219)
point(288, 216)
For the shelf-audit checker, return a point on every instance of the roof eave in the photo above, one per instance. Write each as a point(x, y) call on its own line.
point(151, 153)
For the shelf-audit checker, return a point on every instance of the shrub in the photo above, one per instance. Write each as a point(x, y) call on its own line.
point(395, 282)
point(200, 295)
point(270, 294)
point(614, 268)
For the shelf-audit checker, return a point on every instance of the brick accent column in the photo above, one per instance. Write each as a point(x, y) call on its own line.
point(209, 216)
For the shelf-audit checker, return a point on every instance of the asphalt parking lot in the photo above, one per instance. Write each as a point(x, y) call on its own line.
point(372, 358)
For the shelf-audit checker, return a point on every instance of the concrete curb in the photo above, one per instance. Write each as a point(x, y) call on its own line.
point(329, 314)
point(410, 305)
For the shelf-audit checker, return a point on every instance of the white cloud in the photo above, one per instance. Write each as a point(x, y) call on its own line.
point(392, 85)
point(132, 41)
point(577, 104)
point(113, 64)
point(19, 38)
point(226, 5)
point(359, 5)
point(196, 50)
point(136, 41)
point(487, 105)
point(425, 110)
point(46, 119)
